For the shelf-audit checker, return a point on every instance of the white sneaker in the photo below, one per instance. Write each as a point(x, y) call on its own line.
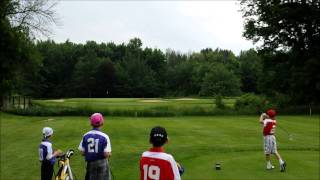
point(283, 166)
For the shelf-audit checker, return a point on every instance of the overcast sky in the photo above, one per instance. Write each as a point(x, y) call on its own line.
point(180, 25)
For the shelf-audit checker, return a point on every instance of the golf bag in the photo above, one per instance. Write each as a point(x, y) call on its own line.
point(65, 172)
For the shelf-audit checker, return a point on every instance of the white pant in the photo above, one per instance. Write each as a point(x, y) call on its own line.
point(270, 144)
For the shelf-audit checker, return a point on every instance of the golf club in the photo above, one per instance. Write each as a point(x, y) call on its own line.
point(111, 173)
point(283, 129)
point(287, 132)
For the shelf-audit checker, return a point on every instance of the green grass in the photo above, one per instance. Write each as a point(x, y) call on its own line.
point(129, 106)
point(128, 103)
point(195, 142)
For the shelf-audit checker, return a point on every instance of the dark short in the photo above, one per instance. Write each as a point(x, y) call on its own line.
point(98, 170)
point(46, 170)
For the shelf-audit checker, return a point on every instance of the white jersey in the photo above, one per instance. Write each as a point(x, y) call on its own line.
point(46, 151)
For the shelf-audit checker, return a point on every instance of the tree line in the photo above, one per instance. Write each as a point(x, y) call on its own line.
point(129, 70)
point(285, 67)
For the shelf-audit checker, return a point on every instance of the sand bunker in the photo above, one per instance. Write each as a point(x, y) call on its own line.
point(57, 100)
point(186, 99)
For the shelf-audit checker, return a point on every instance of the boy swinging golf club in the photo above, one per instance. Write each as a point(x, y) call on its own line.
point(270, 146)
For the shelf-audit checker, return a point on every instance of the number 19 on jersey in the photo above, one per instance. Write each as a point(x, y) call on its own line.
point(151, 172)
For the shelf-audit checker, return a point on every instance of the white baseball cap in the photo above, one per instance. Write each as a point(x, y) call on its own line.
point(47, 131)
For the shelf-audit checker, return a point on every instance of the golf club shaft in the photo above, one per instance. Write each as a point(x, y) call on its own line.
point(289, 134)
point(283, 129)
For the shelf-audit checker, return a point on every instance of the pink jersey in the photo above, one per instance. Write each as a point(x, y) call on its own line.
point(155, 164)
point(269, 126)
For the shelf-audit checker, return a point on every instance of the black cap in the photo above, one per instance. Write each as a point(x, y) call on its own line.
point(158, 136)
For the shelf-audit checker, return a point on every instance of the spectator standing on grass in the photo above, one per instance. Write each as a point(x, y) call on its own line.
point(270, 146)
point(47, 156)
point(155, 163)
point(96, 147)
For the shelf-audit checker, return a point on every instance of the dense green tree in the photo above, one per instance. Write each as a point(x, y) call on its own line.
point(220, 81)
point(179, 79)
point(19, 20)
point(155, 59)
point(138, 73)
point(84, 75)
point(57, 67)
point(225, 57)
point(250, 70)
point(135, 79)
point(198, 74)
point(280, 24)
point(15, 53)
point(173, 58)
point(27, 80)
point(105, 79)
point(290, 35)
point(116, 52)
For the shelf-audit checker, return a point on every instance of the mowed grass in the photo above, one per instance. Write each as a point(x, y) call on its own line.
point(135, 103)
point(196, 142)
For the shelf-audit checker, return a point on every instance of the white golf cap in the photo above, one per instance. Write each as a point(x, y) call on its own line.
point(47, 131)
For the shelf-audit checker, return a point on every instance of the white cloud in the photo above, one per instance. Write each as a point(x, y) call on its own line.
point(180, 25)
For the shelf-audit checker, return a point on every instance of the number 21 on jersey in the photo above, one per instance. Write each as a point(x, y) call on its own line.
point(151, 172)
point(93, 145)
